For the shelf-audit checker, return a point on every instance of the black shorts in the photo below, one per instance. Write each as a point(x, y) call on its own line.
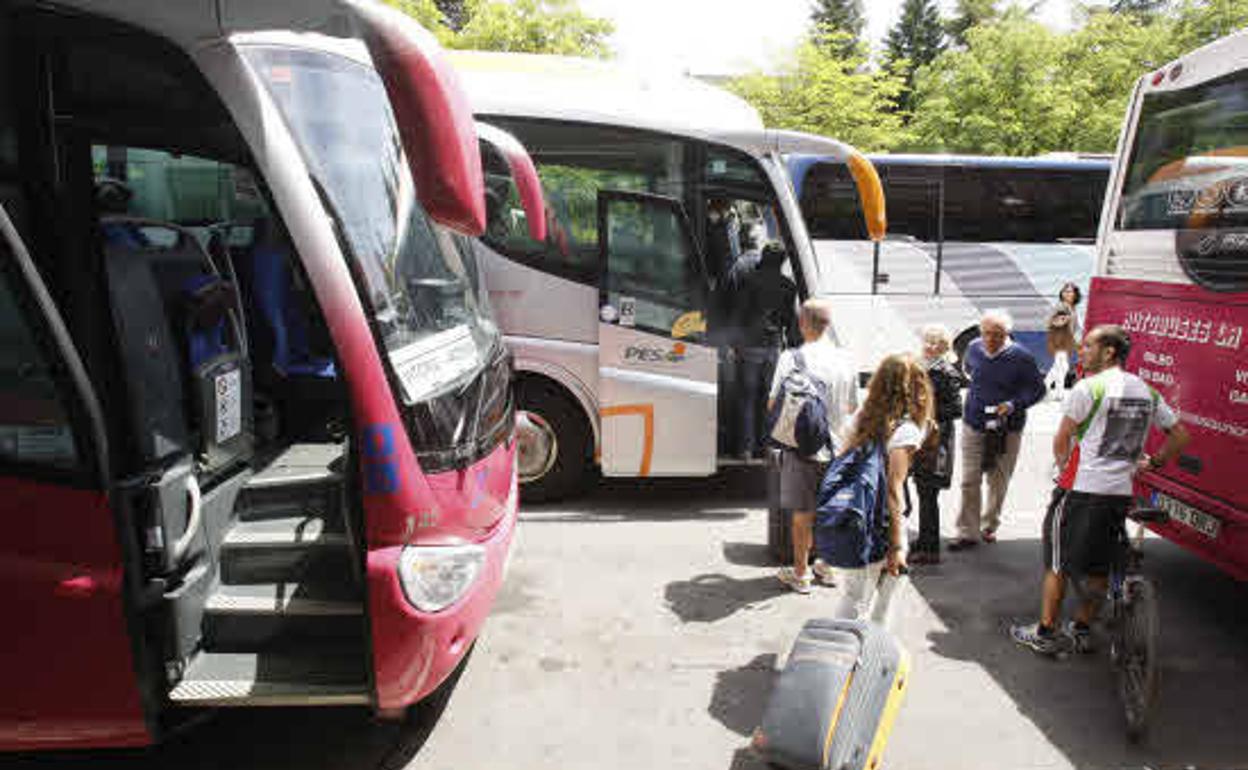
point(1083, 532)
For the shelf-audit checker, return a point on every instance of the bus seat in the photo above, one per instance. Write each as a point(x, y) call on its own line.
point(172, 315)
point(272, 300)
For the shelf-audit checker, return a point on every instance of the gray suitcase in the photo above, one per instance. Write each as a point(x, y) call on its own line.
point(835, 701)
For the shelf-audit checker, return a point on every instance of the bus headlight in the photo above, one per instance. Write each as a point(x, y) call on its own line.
point(435, 577)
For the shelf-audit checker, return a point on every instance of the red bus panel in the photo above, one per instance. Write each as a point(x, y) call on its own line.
point(1191, 344)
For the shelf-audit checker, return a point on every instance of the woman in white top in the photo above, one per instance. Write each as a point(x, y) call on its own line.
point(897, 413)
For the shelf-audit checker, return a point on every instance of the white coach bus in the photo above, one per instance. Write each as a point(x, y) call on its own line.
point(966, 233)
point(616, 355)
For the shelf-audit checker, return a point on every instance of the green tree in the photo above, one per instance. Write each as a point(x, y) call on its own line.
point(915, 41)
point(1020, 89)
point(1099, 67)
point(830, 17)
point(1199, 22)
point(970, 13)
point(454, 12)
point(534, 26)
point(821, 92)
point(531, 26)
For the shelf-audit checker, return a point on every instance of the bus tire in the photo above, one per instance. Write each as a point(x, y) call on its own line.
point(961, 343)
point(553, 442)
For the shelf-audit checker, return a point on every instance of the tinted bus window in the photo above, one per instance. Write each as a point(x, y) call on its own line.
point(574, 162)
point(1189, 160)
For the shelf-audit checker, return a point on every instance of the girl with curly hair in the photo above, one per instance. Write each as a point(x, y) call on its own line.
point(898, 416)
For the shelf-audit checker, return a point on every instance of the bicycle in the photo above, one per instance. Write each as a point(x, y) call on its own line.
point(1133, 626)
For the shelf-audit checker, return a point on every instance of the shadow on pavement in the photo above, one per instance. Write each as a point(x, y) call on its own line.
point(748, 554)
point(1202, 712)
point(308, 739)
point(712, 597)
point(740, 694)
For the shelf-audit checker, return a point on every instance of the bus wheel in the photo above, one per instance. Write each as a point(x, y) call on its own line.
point(552, 442)
point(962, 342)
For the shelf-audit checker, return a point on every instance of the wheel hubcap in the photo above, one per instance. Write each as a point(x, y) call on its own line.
point(536, 446)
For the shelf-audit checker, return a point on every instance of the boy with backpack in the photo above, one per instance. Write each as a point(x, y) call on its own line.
point(812, 393)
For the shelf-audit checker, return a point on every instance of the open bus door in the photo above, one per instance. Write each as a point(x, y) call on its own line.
point(68, 668)
point(657, 371)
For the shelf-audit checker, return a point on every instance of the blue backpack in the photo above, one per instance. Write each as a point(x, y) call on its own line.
point(851, 525)
point(799, 418)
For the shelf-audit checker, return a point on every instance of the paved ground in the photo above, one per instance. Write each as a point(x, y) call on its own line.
point(641, 627)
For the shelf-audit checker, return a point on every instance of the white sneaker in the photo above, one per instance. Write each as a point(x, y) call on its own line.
point(824, 572)
point(787, 576)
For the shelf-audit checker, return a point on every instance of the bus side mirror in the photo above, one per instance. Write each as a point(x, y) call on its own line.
point(523, 173)
point(434, 120)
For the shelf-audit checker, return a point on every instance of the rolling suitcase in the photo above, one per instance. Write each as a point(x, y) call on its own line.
point(835, 701)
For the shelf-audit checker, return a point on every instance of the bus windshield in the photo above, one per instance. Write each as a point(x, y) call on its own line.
point(1189, 160)
point(420, 279)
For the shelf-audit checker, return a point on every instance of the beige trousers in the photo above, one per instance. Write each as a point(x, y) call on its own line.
point(973, 518)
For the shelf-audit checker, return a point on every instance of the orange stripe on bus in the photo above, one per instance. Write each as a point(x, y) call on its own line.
point(646, 411)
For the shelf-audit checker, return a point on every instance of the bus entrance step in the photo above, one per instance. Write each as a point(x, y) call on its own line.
point(273, 679)
point(304, 479)
point(293, 616)
point(284, 550)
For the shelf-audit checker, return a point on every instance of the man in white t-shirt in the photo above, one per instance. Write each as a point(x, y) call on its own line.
point(1099, 446)
point(800, 476)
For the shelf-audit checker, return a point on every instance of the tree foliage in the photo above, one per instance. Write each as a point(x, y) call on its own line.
point(1018, 88)
point(915, 41)
point(530, 26)
point(970, 13)
point(822, 92)
point(830, 17)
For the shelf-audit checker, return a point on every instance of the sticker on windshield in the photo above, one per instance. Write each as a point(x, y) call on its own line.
point(229, 388)
point(628, 311)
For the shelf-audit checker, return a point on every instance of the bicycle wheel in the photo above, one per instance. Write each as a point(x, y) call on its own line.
point(1138, 667)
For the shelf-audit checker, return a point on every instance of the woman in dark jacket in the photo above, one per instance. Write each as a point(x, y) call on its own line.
point(933, 464)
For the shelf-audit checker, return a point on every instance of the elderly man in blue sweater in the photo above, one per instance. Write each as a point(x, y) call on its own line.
point(1004, 383)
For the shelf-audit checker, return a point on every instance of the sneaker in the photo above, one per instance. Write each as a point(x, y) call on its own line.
point(1031, 637)
point(989, 536)
point(787, 576)
point(1080, 637)
point(823, 572)
point(962, 544)
point(923, 557)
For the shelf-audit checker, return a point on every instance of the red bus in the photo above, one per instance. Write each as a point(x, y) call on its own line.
point(256, 423)
point(1173, 270)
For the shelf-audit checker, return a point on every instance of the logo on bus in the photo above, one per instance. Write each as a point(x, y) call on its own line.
point(649, 354)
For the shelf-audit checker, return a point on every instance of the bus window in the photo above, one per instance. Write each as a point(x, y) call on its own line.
point(652, 275)
point(34, 424)
point(1189, 172)
point(575, 162)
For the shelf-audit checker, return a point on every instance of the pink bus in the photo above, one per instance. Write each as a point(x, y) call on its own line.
point(1173, 270)
point(256, 422)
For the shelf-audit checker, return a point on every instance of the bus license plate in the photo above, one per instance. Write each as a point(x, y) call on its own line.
point(1188, 516)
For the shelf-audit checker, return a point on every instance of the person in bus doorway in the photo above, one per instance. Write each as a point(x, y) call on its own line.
point(723, 249)
point(1062, 337)
point(765, 300)
point(1099, 447)
point(1004, 383)
point(800, 476)
point(933, 463)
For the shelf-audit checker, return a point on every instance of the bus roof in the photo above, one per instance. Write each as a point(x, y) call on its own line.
point(590, 91)
point(1053, 162)
point(188, 21)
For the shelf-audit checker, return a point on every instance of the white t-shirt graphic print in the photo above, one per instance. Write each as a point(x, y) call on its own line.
point(1114, 410)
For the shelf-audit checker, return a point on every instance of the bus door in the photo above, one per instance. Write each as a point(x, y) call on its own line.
point(657, 370)
point(68, 669)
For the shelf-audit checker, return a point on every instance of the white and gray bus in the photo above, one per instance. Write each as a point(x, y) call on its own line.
point(966, 233)
point(608, 316)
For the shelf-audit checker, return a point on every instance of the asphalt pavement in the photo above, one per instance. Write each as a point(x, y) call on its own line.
point(641, 627)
